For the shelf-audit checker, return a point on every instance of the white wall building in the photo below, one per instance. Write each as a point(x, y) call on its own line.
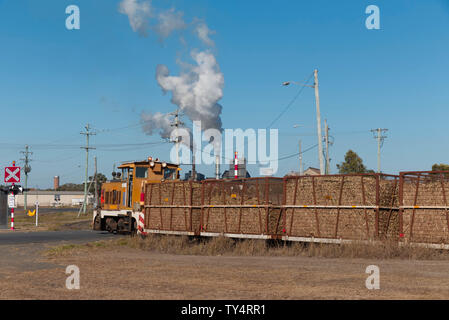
point(54, 198)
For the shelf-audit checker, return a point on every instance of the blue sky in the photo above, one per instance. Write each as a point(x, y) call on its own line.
point(53, 81)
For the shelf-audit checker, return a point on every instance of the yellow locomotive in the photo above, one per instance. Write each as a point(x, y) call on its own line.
point(121, 198)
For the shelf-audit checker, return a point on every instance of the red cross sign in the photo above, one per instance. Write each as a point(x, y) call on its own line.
point(12, 174)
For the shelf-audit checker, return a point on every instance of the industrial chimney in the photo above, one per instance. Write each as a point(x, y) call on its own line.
point(217, 167)
point(56, 183)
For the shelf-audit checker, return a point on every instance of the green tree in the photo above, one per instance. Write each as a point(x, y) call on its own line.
point(440, 167)
point(352, 164)
point(70, 187)
point(101, 178)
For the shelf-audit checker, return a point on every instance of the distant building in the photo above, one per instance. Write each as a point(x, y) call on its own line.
point(241, 170)
point(309, 172)
point(199, 176)
point(54, 198)
point(312, 172)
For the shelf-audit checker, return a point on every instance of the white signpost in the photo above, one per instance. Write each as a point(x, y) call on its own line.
point(11, 201)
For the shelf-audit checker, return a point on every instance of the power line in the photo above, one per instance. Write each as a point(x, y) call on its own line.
point(291, 102)
point(298, 153)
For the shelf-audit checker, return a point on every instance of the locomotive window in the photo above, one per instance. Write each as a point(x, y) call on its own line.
point(141, 172)
point(169, 173)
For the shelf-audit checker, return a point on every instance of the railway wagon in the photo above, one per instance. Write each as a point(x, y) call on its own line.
point(148, 197)
point(424, 207)
point(330, 208)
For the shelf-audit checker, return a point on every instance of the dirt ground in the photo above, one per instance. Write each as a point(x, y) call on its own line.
point(128, 273)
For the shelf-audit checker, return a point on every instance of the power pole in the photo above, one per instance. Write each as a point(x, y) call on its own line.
point(176, 124)
point(96, 185)
point(318, 121)
point(301, 169)
point(326, 141)
point(27, 170)
point(87, 133)
point(378, 134)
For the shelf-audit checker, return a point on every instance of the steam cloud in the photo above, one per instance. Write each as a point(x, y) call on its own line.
point(137, 14)
point(203, 32)
point(198, 88)
point(196, 91)
point(169, 21)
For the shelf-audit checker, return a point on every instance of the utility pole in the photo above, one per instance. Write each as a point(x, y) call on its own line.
point(176, 124)
point(96, 185)
point(378, 134)
point(326, 141)
point(87, 133)
point(301, 169)
point(27, 170)
point(318, 121)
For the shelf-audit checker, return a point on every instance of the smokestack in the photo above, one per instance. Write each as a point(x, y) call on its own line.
point(56, 183)
point(193, 166)
point(217, 167)
point(236, 166)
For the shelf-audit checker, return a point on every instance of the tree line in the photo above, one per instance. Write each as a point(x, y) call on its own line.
point(354, 164)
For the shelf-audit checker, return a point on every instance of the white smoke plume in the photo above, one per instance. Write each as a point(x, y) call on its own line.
point(198, 88)
point(141, 13)
point(169, 21)
point(138, 14)
point(151, 123)
point(203, 32)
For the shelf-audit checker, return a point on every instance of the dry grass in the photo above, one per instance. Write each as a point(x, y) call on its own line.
point(222, 246)
point(68, 249)
point(52, 221)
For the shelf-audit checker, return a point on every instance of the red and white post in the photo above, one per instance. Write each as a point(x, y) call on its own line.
point(12, 209)
point(236, 166)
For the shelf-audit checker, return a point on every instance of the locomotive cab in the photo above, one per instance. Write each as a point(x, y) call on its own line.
point(121, 196)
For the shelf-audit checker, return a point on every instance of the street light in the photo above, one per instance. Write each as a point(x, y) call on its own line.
point(318, 115)
point(287, 83)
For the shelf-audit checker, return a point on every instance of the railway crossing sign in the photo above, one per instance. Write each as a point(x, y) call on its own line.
point(12, 174)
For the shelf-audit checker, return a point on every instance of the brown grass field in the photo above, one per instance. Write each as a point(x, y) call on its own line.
point(52, 221)
point(169, 267)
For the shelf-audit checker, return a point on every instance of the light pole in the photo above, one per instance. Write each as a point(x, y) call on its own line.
point(318, 116)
